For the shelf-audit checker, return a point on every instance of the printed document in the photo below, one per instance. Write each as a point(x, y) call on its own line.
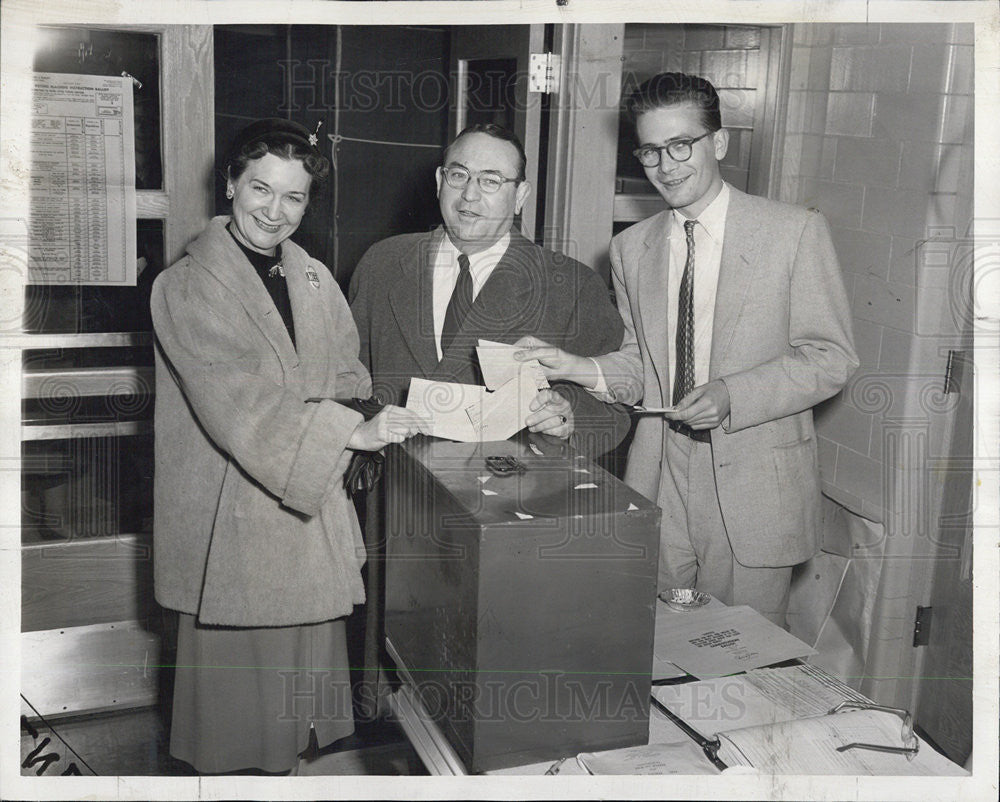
point(726, 640)
point(81, 227)
point(809, 746)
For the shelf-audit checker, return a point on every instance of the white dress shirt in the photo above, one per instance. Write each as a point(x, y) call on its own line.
point(708, 237)
point(446, 271)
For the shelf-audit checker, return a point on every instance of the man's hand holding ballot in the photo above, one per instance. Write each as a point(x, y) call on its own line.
point(516, 395)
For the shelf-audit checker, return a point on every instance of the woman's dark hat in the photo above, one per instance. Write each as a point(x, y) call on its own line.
point(287, 129)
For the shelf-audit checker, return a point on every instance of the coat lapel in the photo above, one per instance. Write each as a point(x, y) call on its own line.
point(222, 257)
point(740, 253)
point(504, 301)
point(411, 299)
point(654, 266)
point(313, 339)
point(502, 306)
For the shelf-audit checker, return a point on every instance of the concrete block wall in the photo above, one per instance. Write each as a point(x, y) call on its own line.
point(879, 138)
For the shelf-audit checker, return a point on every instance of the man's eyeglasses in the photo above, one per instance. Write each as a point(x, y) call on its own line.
point(489, 182)
point(679, 150)
point(911, 744)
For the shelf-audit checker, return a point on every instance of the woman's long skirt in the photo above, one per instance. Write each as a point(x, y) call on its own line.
point(245, 698)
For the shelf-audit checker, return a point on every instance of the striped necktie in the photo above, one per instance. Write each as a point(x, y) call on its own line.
point(684, 360)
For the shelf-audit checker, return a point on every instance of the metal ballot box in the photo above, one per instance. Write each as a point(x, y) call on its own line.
point(520, 605)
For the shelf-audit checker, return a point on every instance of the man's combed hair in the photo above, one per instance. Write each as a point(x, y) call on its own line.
point(497, 132)
point(672, 89)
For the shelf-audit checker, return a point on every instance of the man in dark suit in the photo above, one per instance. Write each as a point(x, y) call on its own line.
point(422, 301)
point(736, 316)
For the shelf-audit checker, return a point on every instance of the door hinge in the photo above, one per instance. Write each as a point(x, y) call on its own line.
point(953, 372)
point(543, 73)
point(922, 626)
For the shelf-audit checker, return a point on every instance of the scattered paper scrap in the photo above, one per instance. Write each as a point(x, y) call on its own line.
point(586, 486)
point(523, 515)
point(535, 449)
point(580, 470)
point(484, 479)
point(489, 492)
point(631, 507)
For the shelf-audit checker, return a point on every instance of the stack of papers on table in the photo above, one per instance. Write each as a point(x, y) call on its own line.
point(715, 642)
point(771, 721)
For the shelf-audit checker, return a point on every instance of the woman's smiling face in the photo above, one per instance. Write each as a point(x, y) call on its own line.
point(269, 198)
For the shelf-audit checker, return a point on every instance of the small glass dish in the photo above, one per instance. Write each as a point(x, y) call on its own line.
point(685, 599)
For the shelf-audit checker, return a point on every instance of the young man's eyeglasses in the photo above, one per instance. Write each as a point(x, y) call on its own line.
point(679, 150)
point(489, 182)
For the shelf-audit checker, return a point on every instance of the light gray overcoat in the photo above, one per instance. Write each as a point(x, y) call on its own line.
point(781, 341)
point(252, 524)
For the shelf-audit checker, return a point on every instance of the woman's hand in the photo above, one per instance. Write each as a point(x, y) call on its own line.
point(392, 425)
point(557, 363)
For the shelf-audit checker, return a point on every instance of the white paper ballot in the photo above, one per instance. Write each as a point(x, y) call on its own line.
point(725, 640)
point(497, 363)
point(470, 413)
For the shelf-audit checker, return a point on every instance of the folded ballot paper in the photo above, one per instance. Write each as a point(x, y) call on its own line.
point(470, 413)
point(498, 366)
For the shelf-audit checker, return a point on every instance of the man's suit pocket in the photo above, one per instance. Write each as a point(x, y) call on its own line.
point(796, 468)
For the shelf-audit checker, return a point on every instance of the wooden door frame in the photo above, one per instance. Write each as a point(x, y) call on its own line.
point(115, 600)
point(527, 112)
point(579, 198)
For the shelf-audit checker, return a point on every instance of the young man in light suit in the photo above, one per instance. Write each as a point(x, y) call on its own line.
point(743, 346)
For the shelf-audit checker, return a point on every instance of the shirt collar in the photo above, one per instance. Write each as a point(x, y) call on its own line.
point(477, 261)
point(712, 217)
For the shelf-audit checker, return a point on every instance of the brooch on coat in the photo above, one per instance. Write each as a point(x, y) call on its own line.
point(313, 277)
point(276, 270)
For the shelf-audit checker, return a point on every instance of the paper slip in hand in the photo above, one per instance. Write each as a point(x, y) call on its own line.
point(444, 405)
point(652, 410)
point(470, 413)
point(497, 363)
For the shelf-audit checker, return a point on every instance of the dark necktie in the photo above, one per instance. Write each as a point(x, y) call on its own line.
point(684, 367)
point(459, 305)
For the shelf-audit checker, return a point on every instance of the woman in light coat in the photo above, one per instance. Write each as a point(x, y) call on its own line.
point(256, 543)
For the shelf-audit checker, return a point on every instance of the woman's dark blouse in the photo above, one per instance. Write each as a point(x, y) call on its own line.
point(275, 285)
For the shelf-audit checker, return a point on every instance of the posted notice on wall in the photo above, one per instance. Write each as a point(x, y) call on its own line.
point(81, 228)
